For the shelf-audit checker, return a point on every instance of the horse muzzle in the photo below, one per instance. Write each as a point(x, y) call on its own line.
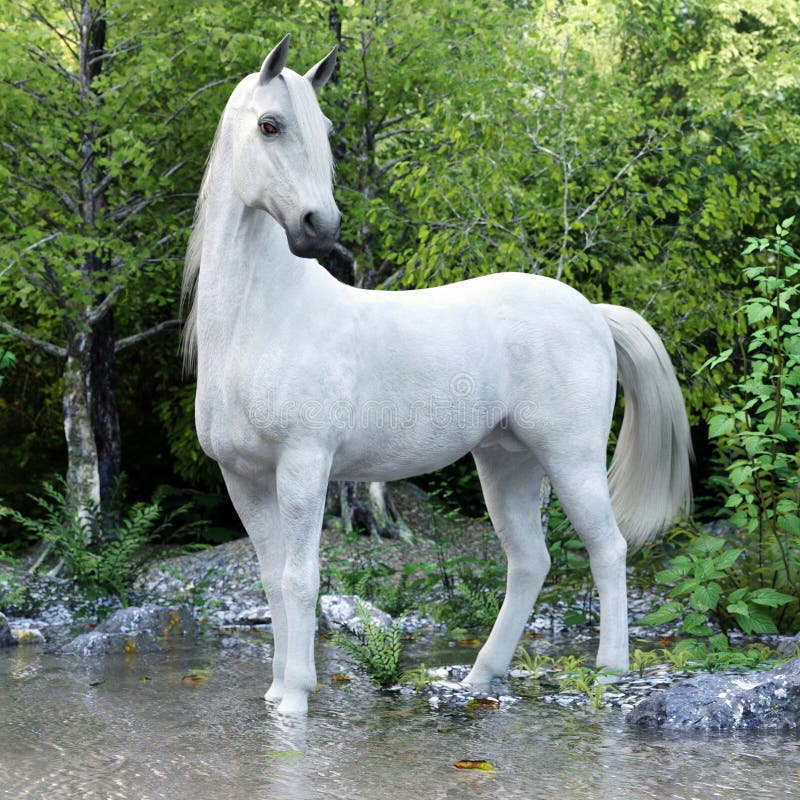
point(315, 235)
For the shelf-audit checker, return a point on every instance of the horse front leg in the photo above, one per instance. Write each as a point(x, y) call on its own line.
point(302, 480)
point(256, 503)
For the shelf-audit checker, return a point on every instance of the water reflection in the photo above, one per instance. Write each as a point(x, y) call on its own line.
point(132, 728)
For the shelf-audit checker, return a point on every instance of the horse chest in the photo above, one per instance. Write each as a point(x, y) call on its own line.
point(248, 412)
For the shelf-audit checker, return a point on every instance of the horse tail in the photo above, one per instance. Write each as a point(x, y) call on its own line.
point(650, 474)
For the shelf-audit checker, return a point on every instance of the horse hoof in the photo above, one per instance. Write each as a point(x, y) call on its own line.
point(609, 676)
point(293, 706)
point(477, 683)
point(274, 694)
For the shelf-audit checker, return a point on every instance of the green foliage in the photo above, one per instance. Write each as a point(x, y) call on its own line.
point(353, 571)
point(568, 672)
point(626, 146)
point(470, 606)
point(642, 659)
point(586, 681)
point(419, 677)
point(103, 563)
point(7, 359)
point(754, 580)
point(349, 569)
point(716, 653)
point(570, 575)
point(194, 592)
point(532, 663)
point(12, 588)
point(757, 431)
point(375, 649)
point(704, 586)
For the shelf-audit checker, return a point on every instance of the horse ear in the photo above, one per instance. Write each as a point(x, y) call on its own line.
point(275, 61)
point(321, 73)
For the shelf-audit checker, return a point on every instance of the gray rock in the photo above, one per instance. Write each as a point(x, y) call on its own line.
point(223, 581)
point(28, 636)
point(6, 637)
point(255, 615)
point(338, 611)
point(768, 700)
point(142, 629)
point(788, 645)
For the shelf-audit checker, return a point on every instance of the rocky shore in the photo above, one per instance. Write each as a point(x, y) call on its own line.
point(216, 592)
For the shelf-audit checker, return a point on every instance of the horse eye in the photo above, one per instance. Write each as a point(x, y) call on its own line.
point(267, 128)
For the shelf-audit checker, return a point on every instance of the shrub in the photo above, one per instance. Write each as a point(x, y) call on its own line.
point(757, 430)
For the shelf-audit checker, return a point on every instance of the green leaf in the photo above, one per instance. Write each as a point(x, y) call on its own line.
point(739, 475)
point(665, 613)
point(672, 574)
point(789, 523)
point(706, 545)
point(757, 621)
point(719, 643)
point(706, 597)
point(696, 624)
point(720, 426)
point(738, 594)
point(757, 312)
point(727, 559)
point(684, 588)
point(771, 598)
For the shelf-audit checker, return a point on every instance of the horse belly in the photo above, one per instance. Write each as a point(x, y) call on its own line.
point(403, 447)
point(393, 464)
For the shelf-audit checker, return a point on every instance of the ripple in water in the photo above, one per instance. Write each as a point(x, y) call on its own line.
point(129, 728)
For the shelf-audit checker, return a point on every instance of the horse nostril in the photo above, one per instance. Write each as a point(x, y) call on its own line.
point(309, 224)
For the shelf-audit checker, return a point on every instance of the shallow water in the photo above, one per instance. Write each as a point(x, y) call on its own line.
point(130, 727)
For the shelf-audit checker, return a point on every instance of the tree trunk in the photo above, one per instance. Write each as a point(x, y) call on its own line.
point(83, 478)
point(360, 506)
point(368, 507)
point(101, 367)
point(105, 418)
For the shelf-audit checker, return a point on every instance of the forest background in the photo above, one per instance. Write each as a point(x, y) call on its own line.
point(626, 147)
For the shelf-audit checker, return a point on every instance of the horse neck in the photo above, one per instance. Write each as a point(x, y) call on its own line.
point(247, 269)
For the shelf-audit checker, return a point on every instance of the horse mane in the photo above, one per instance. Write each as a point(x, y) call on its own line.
point(310, 125)
point(191, 265)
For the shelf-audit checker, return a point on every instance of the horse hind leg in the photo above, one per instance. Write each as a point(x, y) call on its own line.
point(582, 488)
point(510, 483)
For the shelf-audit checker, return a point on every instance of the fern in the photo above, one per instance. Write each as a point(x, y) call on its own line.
point(375, 649)
point(102, 563)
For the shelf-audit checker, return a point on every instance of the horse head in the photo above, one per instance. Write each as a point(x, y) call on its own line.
point(282, 161)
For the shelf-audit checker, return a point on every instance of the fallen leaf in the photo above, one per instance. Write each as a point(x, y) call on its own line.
point(483, 702)
point(194, 678)
point(340, 677)
point(473, 765)
point(469, 643)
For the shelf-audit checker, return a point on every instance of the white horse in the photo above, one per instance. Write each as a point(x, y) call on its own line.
point(302, 380)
